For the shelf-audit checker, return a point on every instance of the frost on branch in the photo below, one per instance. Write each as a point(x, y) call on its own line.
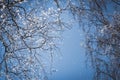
point(27, 37)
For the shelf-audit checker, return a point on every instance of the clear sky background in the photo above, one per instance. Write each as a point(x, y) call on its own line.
point(72, 65)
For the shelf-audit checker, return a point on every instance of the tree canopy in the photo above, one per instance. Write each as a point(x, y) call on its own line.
point(30, 28)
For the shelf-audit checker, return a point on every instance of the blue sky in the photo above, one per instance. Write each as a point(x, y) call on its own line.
point(72, 66)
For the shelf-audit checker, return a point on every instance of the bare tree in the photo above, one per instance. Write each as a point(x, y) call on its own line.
point(102, 38)
point(103, 42)
point(27, 31)
point(100, 19)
